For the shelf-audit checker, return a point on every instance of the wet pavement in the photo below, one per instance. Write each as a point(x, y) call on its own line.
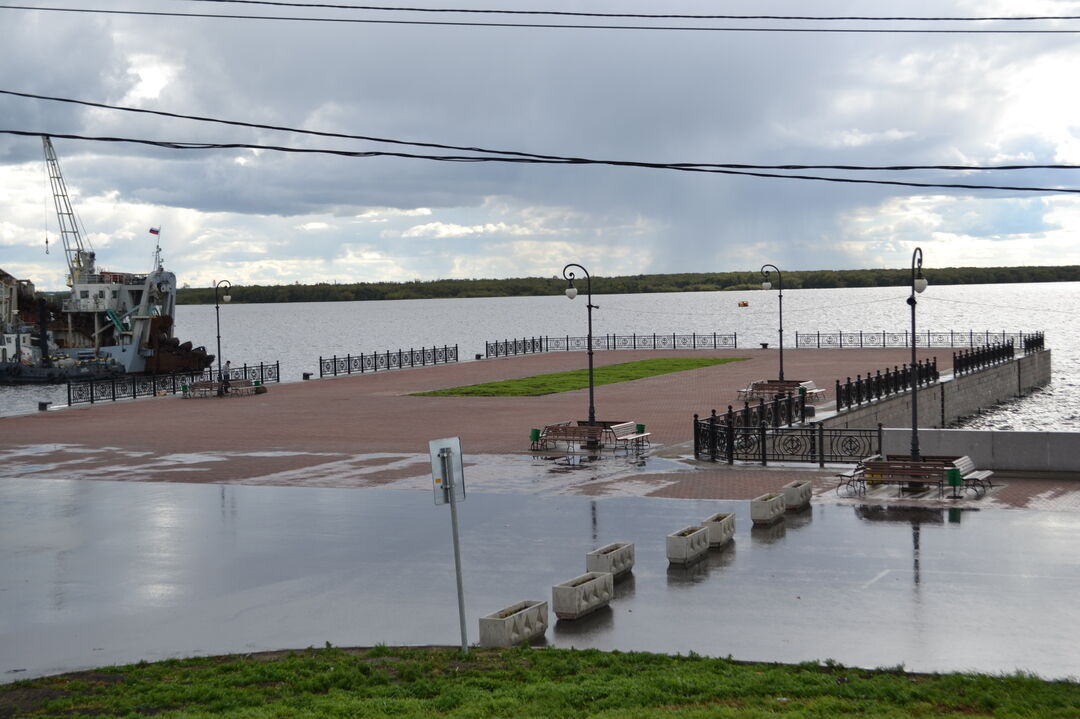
point(95, 573)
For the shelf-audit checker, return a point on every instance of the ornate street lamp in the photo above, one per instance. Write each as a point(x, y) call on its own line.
point(767, 285)
point(571, 292)
point(217, 317)
point(918, 285)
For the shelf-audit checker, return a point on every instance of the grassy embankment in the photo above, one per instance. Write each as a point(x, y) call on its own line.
point(542, 384)
point(523, 682)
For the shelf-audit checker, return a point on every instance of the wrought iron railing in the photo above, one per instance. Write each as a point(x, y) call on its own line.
point(1034, 342)
point(382, 361)
point(718, 441)
point(854, 393)
point(131, 386)
point(980, 358)
point(536, 345)
point(928, 338)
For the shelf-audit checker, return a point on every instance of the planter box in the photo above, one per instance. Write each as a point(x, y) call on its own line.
point(509, 627)
point(767, 508)
point(616, 558)
point(687, 545)
point(797, 494)
point(581, 595)
point(721, 528)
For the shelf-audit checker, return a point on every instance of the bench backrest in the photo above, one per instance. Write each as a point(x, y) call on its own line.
point(568, 432)
point(624, 429)
point(905, 469)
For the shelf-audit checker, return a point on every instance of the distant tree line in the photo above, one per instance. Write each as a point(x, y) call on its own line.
point(686, 282)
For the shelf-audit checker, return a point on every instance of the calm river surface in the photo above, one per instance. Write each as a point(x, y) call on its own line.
point(298, 334)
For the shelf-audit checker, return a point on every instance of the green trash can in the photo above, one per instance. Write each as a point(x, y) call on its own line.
point(534, 435)
point(955, 478)
point(640, 429)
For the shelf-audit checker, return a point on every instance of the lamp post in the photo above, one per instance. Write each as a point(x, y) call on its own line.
point(571, 292)
point(918, 285)
point(217, 318)
point(767, 285)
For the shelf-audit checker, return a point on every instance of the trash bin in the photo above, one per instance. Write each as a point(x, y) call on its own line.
point(955, 478)
point(641, 429)
point(534, 435)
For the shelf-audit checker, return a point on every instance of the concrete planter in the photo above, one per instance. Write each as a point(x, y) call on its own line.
point(721, 528)
point(616, 558)
point(509, 627)
point(688, 544)
point(581, 595)
point(767, 508)
point(797, 494)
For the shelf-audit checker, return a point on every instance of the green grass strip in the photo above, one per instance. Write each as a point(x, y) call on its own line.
point(412, 683)
point(555, 382)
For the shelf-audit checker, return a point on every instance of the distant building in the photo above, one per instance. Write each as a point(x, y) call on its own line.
point(10, 290)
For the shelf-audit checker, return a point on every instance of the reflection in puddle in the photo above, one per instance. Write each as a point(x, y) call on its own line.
point(769, 533)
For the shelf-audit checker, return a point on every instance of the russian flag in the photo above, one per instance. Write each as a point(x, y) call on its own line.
point(155, 230)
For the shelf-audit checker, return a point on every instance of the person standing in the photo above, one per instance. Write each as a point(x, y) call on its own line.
point(226, 373)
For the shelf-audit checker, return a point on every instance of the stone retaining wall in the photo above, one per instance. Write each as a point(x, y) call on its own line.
point(953, 399)
point(994, 449)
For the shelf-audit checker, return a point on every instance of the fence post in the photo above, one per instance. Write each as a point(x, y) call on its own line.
point(729, 436)
point(712, 436)
point(880, 440)
point(820, 443)
point(761, 441)
point(697, 437)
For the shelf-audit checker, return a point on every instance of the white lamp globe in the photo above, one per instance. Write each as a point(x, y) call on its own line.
point(920, 284)
point(571, 292)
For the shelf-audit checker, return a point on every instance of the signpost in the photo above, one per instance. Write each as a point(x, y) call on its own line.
point(448, 481)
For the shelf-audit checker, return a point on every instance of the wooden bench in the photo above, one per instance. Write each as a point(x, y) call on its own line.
point(241, 388)
point(626, 433)
point(237, 388)
point(906, 473)
point(555, 433)
point(769, 389)
point(976, 479)
point(200, 389)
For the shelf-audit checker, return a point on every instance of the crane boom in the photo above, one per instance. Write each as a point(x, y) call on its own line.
point(80, 255)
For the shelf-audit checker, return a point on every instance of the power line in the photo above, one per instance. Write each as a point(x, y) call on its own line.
point(515, 153)
point(547, 26)
point(530, 160)
point(664, 16)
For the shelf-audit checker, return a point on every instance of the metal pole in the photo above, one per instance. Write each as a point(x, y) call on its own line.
point(217, 320)
point(448, 472)
point(569, 276)
point(916, 263)
point(780, 287)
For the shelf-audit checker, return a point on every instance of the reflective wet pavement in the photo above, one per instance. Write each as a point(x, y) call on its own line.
point(95, 573)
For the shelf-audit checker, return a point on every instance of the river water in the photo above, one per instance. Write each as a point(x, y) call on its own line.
point(297, 334)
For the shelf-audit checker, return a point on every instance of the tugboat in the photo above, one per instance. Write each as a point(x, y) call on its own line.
point(112, 322)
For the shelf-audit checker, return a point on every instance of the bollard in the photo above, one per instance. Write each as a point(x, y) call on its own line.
point(307, 375)
point(43, 406)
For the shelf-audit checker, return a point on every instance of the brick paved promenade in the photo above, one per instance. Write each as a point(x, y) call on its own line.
point(367, 430)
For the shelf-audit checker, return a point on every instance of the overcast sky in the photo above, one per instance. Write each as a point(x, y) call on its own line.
point(658, 96)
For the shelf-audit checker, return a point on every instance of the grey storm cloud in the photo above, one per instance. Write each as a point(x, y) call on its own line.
point(623, 95)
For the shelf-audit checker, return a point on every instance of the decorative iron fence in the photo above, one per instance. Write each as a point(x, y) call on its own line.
point(715, 440)
point(536, 345)
point(382, 361)
point(853, 393)
point(131, 386)
point(1034, 342)
point(973, 360)
point(929, 338)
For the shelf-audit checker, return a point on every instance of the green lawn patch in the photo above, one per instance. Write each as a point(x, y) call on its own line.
point(579, 379)
point(538, 683)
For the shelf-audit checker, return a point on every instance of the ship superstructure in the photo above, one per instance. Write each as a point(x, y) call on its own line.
point(117, 317)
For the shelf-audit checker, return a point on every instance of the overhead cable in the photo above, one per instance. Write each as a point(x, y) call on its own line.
point(654, 16)
point(531, 160)
point(548, 26)
point(516, 153)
